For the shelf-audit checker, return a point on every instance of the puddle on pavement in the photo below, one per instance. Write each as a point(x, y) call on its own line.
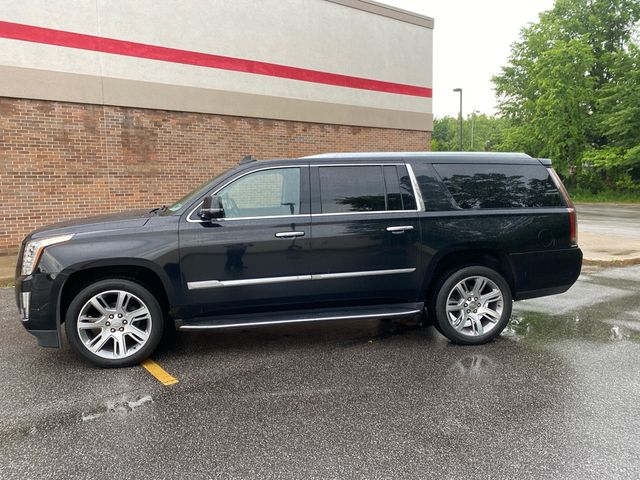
point(121, 407)
point(600, 322)
point(537, 326)
point(602, 307)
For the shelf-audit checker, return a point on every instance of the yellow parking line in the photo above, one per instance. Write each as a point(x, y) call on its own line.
point(160, 373)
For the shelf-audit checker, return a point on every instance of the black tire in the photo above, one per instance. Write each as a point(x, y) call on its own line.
point(447, 285)
point(156, 322)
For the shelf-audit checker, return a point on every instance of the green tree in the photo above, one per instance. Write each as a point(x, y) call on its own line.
point(568, 90)
point(445, 134)
point(617, 163)
point(485, 131)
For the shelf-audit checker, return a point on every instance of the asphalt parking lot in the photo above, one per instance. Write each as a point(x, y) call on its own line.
point(556, 396)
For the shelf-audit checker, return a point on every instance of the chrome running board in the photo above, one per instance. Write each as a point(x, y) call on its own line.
point(301, 316)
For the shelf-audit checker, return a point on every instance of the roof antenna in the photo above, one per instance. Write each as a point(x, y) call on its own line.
point(247, 159)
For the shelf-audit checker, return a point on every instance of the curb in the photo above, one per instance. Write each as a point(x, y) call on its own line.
point(623, 262)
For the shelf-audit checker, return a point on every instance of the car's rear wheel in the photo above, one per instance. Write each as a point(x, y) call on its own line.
point(114, 323)
point(472, 305)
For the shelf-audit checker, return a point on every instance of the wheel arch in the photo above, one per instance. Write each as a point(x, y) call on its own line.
point(137, 271)
point(493, 258)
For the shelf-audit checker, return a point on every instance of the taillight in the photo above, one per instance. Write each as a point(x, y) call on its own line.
point(573, 217)
point(573, 221)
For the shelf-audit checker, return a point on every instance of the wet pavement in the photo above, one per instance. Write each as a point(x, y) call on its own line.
point(556, 396)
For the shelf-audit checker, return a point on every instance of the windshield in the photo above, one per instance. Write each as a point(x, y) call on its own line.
point(190, 197)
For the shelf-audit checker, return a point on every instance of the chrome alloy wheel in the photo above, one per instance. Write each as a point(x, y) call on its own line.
point(474, 306)
point(114, 324)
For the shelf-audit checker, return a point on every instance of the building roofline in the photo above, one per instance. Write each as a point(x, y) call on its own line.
point(388, 11)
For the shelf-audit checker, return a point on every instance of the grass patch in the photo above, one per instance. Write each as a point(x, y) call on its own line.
point(604, 197)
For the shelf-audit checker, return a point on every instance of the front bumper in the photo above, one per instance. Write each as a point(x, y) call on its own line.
point(37, 298)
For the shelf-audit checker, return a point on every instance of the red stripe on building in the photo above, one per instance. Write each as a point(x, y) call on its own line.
point(61, 38)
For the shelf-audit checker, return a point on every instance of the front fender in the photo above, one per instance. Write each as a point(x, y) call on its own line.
point(164, 273)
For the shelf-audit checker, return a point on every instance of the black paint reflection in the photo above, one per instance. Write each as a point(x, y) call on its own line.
point(365, 203)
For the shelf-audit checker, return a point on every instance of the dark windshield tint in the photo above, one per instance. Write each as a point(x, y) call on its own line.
point(191, 196)
point(499, 186)
point(194, 194)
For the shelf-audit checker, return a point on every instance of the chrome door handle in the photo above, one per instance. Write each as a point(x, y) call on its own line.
point(289, 234)
point(401, 229)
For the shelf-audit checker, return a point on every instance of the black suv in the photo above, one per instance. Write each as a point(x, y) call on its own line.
point(452, 236)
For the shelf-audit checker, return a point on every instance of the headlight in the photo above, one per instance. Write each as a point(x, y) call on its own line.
point(33, 249)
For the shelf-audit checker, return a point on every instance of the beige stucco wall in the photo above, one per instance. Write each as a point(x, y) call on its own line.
point(328, 36)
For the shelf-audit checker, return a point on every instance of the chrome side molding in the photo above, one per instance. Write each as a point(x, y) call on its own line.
point(295, 278)
point(416, 188)
point(370, 273)
point(243, 283)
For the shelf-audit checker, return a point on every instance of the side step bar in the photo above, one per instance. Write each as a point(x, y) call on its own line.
point(301, 316)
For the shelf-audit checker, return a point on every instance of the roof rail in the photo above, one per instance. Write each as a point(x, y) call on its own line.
point(418, 154)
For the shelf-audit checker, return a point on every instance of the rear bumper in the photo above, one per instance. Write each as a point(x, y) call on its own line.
point(538, 274)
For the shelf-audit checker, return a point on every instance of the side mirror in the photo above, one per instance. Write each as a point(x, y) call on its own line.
point(211, 208)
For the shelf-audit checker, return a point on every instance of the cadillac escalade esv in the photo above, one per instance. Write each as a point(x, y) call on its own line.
point(456, 237)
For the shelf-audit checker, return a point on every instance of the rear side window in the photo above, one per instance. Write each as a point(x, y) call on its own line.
point(499, 186)
point(435, 196)
point(367, 188)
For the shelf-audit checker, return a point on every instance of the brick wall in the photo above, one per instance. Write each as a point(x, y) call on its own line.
point(63, 160)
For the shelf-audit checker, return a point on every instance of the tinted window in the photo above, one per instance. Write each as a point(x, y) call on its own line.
point(263, 193)
point(352, 189)
point(406, 189)
point(392, 182)
point(435, 196)
point(499, 186)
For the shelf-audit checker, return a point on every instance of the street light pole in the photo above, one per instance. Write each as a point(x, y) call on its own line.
point(459, 90)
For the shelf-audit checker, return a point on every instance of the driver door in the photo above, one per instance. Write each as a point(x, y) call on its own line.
point(257, 255)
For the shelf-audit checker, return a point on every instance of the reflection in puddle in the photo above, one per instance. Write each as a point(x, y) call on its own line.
point(538, 326)
point(618, 334)
point(473, 364)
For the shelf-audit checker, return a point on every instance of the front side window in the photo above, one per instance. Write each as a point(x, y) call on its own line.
point(272, 192)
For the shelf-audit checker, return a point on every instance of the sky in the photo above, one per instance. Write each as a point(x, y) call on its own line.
point(471, 42)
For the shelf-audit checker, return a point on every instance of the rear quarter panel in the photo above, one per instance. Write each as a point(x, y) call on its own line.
point(536, 243)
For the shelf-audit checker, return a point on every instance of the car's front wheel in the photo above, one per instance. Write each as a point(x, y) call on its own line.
point(472, 305)
point(114, 323)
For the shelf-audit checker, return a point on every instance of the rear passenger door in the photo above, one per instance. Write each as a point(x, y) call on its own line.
point(366, 234)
